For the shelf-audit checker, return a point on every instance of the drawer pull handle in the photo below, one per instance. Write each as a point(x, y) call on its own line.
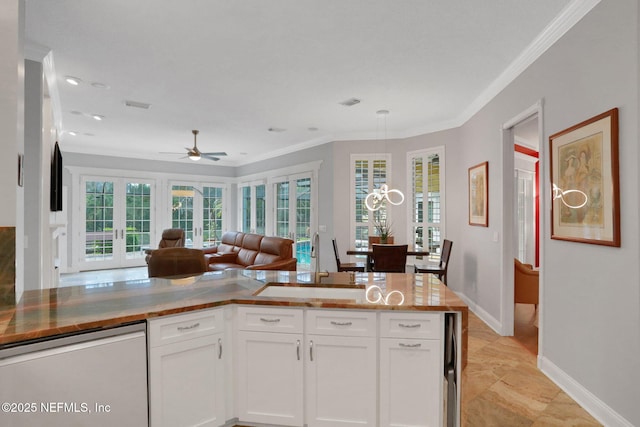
point(414, 325)
point(269, 320)
point(333, 322)
point(417, 345)
point(187, 328)
point(311, 350)
point(298, 349)
point(219, 348)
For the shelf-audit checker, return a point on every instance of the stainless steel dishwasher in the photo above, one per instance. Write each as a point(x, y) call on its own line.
point(87, 379)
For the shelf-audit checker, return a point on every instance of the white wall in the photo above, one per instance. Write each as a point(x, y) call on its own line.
point(590, 318)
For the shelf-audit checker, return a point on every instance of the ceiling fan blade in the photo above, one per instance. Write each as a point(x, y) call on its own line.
point(209, 156)
point(218, 153)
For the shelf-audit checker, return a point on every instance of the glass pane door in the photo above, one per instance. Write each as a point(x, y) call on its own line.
point(293, 216)
point(98, 223)
point(138, 220)
point(283, 228)
point(182, 198)
point(212, 216)
point(117, 222)
point(303, 223)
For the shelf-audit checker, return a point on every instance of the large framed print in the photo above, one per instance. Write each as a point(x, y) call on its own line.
point(585, 182)
point(479, 195)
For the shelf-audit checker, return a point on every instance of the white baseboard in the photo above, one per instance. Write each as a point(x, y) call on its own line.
point(491, 321)
point(596, 407)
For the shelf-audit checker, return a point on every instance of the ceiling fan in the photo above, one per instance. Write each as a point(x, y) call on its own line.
point(195, 154)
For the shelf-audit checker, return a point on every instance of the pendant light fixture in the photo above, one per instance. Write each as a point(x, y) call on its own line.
point(375, 200)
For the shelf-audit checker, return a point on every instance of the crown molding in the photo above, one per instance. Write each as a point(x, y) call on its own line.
point(562, 23)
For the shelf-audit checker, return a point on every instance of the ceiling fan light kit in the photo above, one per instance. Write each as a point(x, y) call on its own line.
point(195, 154)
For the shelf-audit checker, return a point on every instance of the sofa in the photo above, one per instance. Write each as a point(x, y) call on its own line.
point(238, 250)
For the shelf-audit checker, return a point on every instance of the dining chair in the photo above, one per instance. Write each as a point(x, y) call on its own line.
point(346, 266)
point(169, 262)
point(439, 269)
point(390, 258)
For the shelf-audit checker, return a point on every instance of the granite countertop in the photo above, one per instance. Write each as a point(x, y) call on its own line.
point(52, 312)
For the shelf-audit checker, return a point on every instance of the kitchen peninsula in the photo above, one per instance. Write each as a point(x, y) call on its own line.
point(263, 347)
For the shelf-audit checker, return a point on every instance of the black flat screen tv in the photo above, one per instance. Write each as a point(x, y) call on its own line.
point(56, 179)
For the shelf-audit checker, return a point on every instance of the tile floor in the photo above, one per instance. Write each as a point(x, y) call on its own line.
point(501, 385)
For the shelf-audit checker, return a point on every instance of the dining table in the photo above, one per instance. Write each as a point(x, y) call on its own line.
point(368, 251)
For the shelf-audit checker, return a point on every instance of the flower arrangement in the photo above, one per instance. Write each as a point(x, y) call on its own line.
point(383, 229)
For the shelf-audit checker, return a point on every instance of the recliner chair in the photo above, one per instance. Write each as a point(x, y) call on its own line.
point(171, 238)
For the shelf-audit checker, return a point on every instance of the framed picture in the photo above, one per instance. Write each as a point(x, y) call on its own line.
point(585, 183)
point(479, 194)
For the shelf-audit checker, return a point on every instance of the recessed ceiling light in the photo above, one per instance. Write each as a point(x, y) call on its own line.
point(350, 102)
point(99, 85)
point(312, 129)
point(276, 129)
point(72, 133)
point(88, 134)
point(73, 81)
point(97, 117)
point(76, 112)
point(382, 112)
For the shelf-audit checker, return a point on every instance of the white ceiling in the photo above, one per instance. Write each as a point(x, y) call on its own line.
point(234, 69)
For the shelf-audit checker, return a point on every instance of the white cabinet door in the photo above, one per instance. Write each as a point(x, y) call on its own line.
point(341, 381)
point(186, 383)
point(270, 375)
point(410, 382)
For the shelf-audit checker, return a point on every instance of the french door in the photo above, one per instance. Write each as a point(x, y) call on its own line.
point(253, 208)
point(118, 222)
point(198, 210)
point(293, 215)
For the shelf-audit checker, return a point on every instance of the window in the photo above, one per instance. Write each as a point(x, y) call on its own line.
point(426, 212)
point(367, 172)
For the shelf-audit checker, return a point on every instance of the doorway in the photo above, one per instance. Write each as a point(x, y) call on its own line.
point(526, 215)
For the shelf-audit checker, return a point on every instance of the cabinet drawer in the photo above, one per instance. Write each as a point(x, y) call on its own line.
point(265, 319)
point(411, 325)
point(342, 322)
point(170, 329)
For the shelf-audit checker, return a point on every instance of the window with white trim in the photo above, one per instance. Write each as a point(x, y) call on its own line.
point(426, 212)
point(368, 171)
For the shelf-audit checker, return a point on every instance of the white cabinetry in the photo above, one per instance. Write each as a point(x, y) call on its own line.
point(187, 369)
point(270, 365)
point(411, 370)
point(341, 368)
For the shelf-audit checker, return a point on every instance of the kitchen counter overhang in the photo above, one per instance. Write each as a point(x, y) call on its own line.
point(76, 309)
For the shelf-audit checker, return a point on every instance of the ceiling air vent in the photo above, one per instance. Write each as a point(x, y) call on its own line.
point(136, 104)
point(350, 102)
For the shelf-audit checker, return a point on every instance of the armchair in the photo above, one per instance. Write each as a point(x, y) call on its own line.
point(526, 284)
